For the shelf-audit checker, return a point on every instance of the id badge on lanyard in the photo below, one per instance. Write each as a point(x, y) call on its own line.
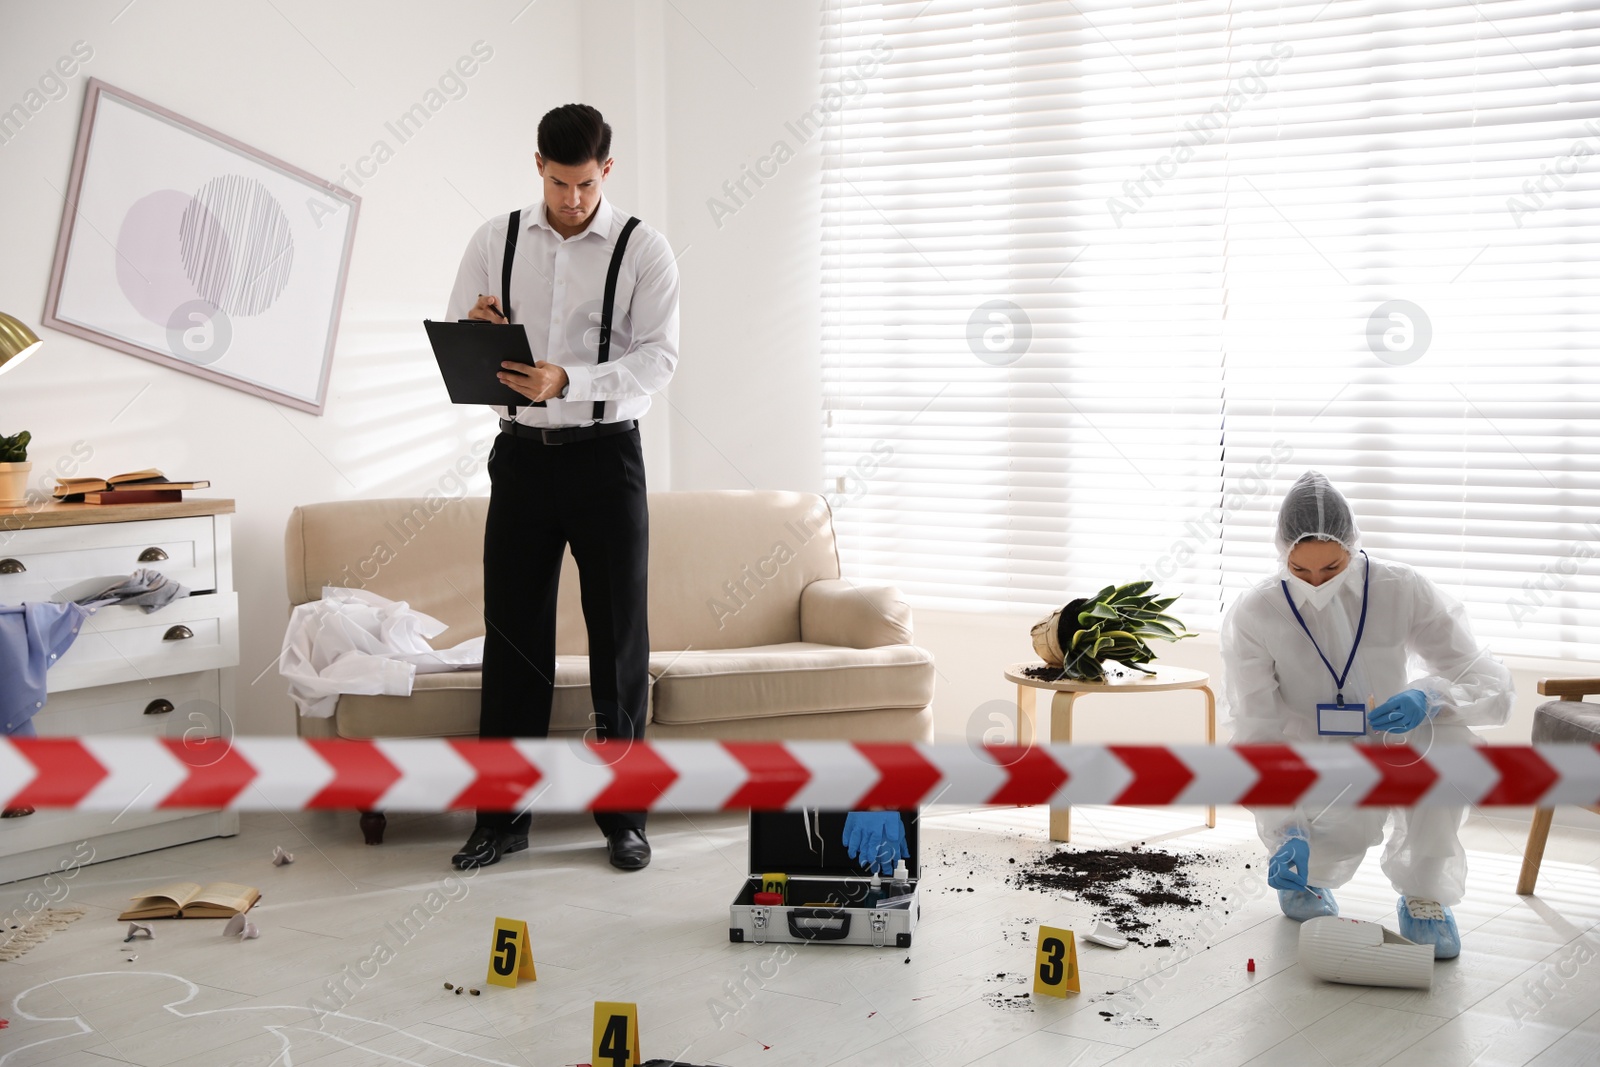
point(1339, 719)
point(1342, 720)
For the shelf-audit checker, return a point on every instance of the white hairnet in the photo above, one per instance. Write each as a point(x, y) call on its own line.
point(1314, 509)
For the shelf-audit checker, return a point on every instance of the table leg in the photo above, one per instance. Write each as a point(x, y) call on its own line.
point(1211, 739)
point(1061, 733)
point(1027, 715)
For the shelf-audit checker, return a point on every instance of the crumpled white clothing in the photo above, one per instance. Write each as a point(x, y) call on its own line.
point(355, 641)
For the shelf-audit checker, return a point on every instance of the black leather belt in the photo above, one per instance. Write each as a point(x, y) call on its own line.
point(566, 435)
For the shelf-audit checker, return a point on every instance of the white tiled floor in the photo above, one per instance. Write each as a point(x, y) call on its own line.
point(1526, 989)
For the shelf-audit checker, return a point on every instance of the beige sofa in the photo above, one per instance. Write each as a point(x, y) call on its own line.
point(754, 634)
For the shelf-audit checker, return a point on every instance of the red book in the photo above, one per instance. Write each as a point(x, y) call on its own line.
point(134, 496)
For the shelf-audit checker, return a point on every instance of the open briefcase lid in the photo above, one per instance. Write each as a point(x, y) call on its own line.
point(780, 842)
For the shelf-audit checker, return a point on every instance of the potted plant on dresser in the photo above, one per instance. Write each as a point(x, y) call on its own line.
point(14, 468)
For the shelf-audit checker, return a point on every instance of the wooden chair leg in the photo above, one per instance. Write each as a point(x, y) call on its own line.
point(372, 826)
point(1027, 715)
point(1211, 739)
point(1533, 854)
point(1061, 733)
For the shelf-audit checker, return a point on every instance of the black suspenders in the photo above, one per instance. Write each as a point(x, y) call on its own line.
point(513, 227)
point(607, 307)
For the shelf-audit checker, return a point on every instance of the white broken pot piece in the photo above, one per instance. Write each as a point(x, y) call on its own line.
point(242, 928)
point(1355, 952)
point(280, 857)
point(1106, 934)
point(139, 930)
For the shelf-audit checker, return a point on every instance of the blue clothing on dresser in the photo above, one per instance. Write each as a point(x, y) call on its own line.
point(32, 638)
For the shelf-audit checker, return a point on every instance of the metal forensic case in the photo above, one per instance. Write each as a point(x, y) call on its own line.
point(820, 872)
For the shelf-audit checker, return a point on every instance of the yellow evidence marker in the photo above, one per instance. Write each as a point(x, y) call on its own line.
point(510, 956)
point(776, 883)
point(616, 1034)
point(1055, 963)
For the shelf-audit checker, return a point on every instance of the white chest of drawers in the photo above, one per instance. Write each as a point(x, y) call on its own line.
point(167, 673)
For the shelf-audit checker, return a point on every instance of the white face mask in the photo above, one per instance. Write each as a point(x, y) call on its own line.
point(1317, 596)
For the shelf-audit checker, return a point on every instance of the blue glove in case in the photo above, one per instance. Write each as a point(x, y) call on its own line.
point(820, 873)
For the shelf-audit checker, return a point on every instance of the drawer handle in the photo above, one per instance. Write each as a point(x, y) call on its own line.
point(11, 566)
point(158, 706)
point(152, 555)
point(178, 633)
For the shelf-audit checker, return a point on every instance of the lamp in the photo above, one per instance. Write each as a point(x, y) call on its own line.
point(17, 342)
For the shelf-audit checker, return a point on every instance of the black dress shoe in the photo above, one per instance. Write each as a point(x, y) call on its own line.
point(486, 846)
point(628, 849)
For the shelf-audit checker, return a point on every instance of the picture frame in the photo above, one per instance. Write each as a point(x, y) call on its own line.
point(184, 246)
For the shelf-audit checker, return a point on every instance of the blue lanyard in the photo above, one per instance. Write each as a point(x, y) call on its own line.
point(1338, 679)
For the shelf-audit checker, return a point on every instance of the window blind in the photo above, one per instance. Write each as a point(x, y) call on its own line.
point(1100, 280)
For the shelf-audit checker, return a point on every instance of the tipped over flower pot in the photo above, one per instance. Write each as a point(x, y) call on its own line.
point(1112, 625)
point(14, 468)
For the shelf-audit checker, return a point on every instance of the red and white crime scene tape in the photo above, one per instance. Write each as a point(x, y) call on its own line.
point(291, 774)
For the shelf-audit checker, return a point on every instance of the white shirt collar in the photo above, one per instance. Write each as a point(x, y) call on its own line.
point(599, 223)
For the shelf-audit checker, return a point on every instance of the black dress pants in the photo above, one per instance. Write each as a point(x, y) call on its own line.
point(590, 495)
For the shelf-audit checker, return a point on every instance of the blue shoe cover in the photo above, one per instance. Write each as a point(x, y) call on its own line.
point(1308, 903)
point(1427, 922)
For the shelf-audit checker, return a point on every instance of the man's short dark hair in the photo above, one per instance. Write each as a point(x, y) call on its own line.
point(574, 134)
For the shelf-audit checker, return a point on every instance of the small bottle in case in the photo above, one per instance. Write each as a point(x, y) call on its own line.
point(902, 880)
point(875, 892)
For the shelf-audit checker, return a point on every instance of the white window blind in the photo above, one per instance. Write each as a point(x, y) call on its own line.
point(1100, 280)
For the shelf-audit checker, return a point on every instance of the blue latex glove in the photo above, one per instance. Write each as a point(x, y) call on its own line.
point(876, 839)
point(1400, 714)
point(1288, 867)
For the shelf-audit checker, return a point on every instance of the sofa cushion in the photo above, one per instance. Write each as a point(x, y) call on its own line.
point(791, 678)
point(885, 724)
point(427, 552)
point(1566, 720)
point(447, 705)
point(727, 567)
point(694, 687)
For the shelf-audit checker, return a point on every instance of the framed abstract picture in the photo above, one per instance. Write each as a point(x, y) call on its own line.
point(183, 246)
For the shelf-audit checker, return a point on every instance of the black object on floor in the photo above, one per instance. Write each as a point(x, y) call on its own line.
point(486, 846)
point(628, 849)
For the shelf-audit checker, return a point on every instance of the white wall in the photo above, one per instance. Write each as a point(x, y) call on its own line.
point(747, 398)
point(313, 86)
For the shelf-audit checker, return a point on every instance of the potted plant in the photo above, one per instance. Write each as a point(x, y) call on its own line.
point(14, 468)
point(1112, 625)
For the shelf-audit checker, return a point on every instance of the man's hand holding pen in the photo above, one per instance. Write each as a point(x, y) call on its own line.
point(543, 381)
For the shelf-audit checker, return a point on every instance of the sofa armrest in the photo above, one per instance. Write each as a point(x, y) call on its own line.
point(838, 611)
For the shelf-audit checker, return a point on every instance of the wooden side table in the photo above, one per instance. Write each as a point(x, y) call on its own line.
point(1067, 692)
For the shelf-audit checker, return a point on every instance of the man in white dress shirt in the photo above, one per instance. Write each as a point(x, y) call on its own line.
point(568, 468)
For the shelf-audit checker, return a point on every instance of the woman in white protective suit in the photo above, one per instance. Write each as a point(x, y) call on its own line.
point(1306, 653)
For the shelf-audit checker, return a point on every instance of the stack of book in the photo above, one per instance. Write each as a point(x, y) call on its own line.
point(148, 486)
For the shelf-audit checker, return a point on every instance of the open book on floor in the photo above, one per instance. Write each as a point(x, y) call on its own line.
point(188, 900)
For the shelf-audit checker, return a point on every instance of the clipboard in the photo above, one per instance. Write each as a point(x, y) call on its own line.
point(469, 353)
